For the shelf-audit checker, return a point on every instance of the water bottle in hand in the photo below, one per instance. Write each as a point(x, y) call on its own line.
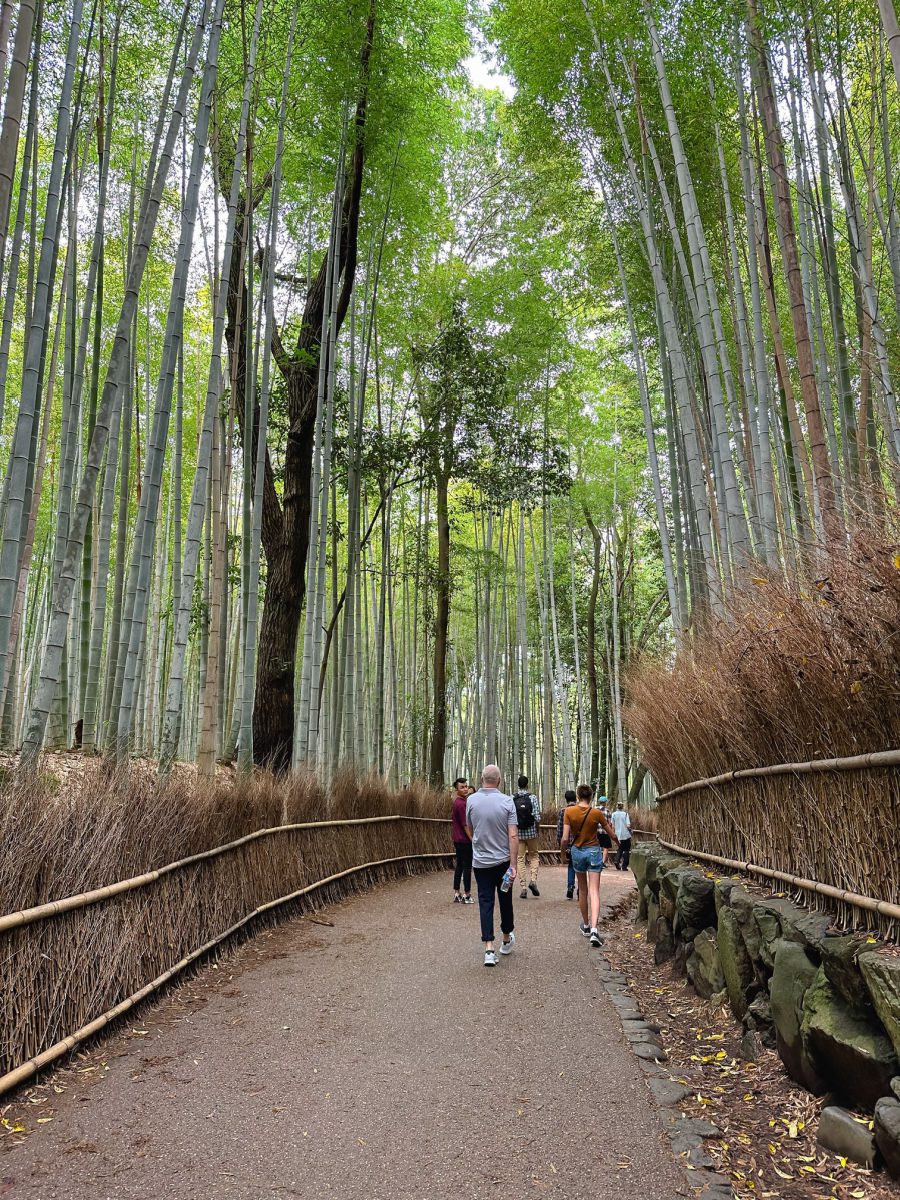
point(506, 883)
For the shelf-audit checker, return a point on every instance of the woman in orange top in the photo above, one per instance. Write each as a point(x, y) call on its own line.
point(581, 833)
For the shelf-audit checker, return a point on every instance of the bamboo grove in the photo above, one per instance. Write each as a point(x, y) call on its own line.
point(355, 413)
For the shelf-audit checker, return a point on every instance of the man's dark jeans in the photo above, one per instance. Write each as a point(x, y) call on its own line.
point(463, 869)
point(488, 880)
point(623, 857)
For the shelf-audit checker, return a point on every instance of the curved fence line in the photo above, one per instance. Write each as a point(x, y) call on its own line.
point(856, 762)
point(53, 908)
point(882, 908)
point(13, 1078)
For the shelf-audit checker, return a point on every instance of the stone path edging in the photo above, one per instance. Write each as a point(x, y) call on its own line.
point(686, 1134)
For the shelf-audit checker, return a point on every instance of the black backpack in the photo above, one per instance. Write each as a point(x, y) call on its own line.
point(524, 809)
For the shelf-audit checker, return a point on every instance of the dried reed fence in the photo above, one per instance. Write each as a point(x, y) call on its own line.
point(802, 674)
point(64, 966)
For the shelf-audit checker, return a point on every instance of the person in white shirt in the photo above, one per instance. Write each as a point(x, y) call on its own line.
point(622, 825)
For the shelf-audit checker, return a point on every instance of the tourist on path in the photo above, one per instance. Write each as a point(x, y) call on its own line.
point(493, 827)
point(528, 815)
point(622, 824)
point(581, 826)
point(570, 798)
point(462, 843)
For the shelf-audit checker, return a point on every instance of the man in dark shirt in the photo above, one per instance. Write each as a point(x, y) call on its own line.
point(462, 843)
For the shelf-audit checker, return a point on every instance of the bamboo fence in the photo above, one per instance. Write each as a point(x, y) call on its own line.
point(78, 963)
point(828, 827)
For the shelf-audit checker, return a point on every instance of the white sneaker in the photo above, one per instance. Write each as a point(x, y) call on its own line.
point(490, 958)
point(585, 929)
point(596, 939)
point(507, 947)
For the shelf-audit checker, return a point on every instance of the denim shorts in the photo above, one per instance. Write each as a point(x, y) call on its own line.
point(587, 858)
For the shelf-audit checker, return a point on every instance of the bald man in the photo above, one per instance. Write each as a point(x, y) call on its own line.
point(492, 825)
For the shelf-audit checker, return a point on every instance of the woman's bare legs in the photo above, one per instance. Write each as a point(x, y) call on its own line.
point(581, 876)
point(594, 890)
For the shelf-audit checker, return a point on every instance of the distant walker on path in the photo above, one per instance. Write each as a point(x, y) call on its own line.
point(492, 825)
point(462, 843)
point(528, 815)
point(622, 824)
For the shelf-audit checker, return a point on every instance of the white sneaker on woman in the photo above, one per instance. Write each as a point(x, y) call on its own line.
point(507, 947)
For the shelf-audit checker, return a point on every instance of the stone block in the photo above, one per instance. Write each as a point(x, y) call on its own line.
point(839, 958)
point(664, 948)
point(704, 967)
point(881, 972)
point(887, 1134)
point(695, 905)
point(792, 977)
point(842, 1133)
point(851, 1053)
point(740, 977)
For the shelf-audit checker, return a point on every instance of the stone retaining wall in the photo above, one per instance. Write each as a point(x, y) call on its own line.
point(828, 1002)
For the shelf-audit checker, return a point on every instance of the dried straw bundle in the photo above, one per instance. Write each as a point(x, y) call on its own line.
point(799, 670)
point(58, 974)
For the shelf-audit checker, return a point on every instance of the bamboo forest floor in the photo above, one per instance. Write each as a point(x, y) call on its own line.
point(364, 1052)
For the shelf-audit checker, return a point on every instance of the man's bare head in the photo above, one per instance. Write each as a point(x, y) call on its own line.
point(491, 776)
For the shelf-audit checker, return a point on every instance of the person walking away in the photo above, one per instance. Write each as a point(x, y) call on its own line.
point(462, 843)
point(581, 829)
point(492, 825)
point(570, 798)
point(621, 822)
point(604, 838)
point(528, 815)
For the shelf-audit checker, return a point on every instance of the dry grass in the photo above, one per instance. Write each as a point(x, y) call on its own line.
point(799, 670)
point(57, 974)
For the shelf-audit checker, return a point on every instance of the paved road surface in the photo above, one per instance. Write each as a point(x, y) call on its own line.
point(375, 1059)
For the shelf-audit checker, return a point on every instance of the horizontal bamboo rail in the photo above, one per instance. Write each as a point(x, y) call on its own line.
point(52, 1053)
point(867, 903)
point(54, 908)
point(856, 762)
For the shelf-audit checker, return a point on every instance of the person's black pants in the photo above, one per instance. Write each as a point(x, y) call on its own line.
point(623, 857)
point(463, 869)
point(488, 880)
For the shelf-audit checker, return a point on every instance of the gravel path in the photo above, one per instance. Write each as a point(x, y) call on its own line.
point(371, 1059)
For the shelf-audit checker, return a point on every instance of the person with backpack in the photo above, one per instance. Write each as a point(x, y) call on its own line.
point(528, 817)
point(581, 838)
point(570, 798)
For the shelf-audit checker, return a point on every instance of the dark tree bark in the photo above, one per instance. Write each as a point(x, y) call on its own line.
point(285, 521)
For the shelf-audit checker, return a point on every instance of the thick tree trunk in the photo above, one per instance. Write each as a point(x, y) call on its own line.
point(286, 522)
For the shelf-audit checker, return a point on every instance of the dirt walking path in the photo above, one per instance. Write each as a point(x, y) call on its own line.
point(371, 1059)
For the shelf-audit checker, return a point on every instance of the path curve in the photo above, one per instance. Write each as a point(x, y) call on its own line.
point(371, 1059)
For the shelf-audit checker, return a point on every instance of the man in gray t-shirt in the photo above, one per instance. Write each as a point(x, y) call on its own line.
point(493, 827)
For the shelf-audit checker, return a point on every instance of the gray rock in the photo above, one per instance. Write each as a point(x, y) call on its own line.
point(649, 1051)
point(758, 1017)
point(839, 955)
point(737, 968)
point(841, 1133)
point(722, 889)
point(636, 1025)
point(683, 952)
point(851, 1052)
point(751, 1046)
point(743, 905)
point(639, 858)
point(895, 1086)
point(652, 917)
point(664, 948)
point(704, 968)
point(668, 1092)
point(791, 979)
point(887, 1133)
point(882, 975)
